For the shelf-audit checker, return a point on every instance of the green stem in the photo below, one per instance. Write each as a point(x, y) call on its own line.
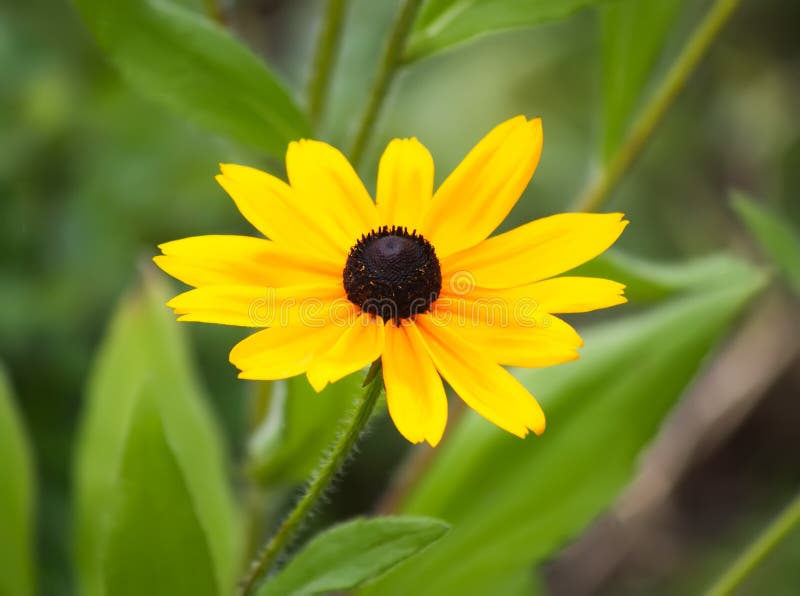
point(758, 550)
point(652, 114)
point(321, 478)
point(330, 35)
point(390, 60)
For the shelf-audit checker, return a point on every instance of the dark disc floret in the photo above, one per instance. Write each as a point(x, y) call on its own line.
point(392, 273)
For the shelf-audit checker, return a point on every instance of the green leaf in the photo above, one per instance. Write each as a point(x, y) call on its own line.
point(648, 281)
point(779, 241)
point(352, 553)
point(301, 423)
point(634, 33)
point(195, 67)
point(16, 500)
point(444, 23)
point(144, 349)
point(156, 543)
point(524, 582)
point(512, 503)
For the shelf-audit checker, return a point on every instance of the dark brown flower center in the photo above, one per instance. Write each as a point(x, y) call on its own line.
point(392, 273)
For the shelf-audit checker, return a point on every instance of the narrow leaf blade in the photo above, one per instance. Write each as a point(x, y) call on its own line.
point(779, 241)
point(181, 59)
point(156, 543)
point(650, 281)
point(352, 553)
point(144, 348)
point(445, 23)
point(16, 499)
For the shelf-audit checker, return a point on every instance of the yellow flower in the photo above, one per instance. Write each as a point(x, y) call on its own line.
point(413, 278)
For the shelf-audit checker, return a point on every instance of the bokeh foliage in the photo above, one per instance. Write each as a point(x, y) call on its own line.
point(16, 500)
point(150, 458)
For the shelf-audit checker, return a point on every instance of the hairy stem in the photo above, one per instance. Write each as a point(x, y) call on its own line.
point(320, 480)
point(330, 35)
point(653, 112)
point(390, 61)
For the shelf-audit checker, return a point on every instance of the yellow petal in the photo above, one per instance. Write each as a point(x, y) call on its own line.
point(281, 352)
point(567, 294)
point(328, 185)
point(405, 183)
point(504, 308)
point(485, 386)
point(477, 196)
point(414, 392)
point(513, 344)
point(276, 211)
point(359, 345)
point(254, 306)
point(242, 260)
point(534, 251)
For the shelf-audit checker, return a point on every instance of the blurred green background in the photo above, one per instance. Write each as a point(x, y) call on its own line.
point(93, 177)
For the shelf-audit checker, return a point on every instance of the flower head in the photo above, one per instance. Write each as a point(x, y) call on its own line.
point(413, 278)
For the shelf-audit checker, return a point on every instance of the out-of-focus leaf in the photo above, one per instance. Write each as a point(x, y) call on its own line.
point(634, 33)
point(180, 58)
point(352, 553)
point(16, 500)
point(648, 281)
point(156, 543)
point(525, 582)
point(144, 348)
point(513, 503)
point(444, 23)
point(777, 238)
point(300, 424)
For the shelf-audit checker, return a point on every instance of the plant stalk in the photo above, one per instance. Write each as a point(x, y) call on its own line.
point(330, 35)
point(756, 552)
point(390, 61)
point(599, 191)
point(330, 464)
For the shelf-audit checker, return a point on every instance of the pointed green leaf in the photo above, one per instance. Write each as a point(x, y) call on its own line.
point(634, 33)
point(16, 500)
point(195, 67)
point(352, 553)
point(779, 240)
point(144, 348)
point(511, 502)
point(444, 23)
point(156, 543)
point(301, 423)
point(648, 281)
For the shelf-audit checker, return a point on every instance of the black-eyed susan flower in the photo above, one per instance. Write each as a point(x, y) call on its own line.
point(413, 278)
